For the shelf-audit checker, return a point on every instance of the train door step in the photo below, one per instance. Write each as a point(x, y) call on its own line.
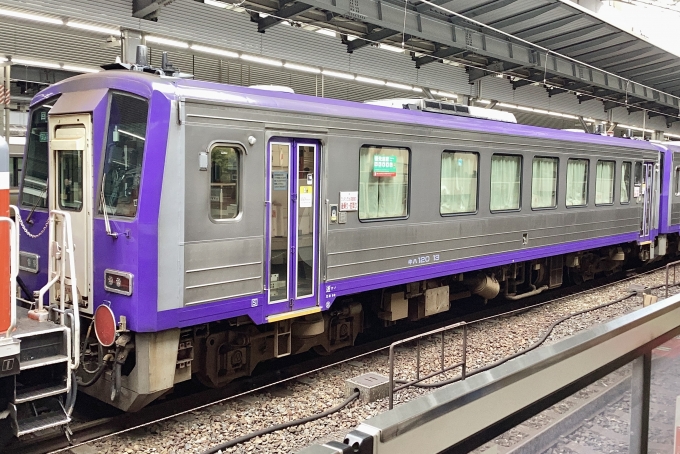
point(53, 415)
point(40, 392)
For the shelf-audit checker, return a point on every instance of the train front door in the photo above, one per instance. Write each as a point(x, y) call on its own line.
point(70, 188)
point(293, 220)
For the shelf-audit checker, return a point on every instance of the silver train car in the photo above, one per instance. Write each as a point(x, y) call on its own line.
point(217, 226)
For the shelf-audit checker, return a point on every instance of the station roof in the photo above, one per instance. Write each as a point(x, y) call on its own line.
point(554, 42)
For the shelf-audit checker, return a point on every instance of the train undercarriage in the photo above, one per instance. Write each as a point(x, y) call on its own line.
point(137, 369)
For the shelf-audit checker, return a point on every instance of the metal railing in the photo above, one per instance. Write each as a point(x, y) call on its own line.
point(668, 267)
point(441, 331)
point(56, 272)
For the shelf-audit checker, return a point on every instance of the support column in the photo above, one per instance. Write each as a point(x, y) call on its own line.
point(639, 404)
point(8, 69)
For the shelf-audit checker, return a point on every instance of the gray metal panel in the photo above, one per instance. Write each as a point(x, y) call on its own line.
point(171, 221)
point(222, 269)
point(214, 248)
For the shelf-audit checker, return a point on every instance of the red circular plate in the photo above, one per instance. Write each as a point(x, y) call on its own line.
point(105, 325)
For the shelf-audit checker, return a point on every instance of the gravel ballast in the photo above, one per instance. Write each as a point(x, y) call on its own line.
point(488, 341)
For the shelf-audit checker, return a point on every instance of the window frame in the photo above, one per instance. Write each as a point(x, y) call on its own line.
point(408, 191)
point(557, 183)
point(676, 175)
point(630, 182)
point(521, 186)
point(441, 169)
point(240, 151)
point(566, 179)
point(613, 183)
point(99, 214)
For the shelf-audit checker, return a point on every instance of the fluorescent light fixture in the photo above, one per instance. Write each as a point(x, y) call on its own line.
point(261, 60)
point(506, 105)
point(352, 37)
point(592, 120)
point(214, 51)
point(40, 64)
point(303, 68)
point(391, 48)
point(80, 69)
point(166, 41)
point(634, 128)
point(484, 101)
point(525, 109)
point(129, 134)
point(94, 28)
point(3, 59)
point(541, 111)
point(417, 89)
point(369, 80)
point(30, 16)
point(327, 32)
point(215, 3)
point(399, 86)
point(17, 140)
point(667, 134)
point(337, 75)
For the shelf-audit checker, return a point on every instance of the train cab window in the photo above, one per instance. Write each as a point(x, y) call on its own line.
point(604, 183)
point(458, 183)
point(383, 182)
point(506, 182)
point(34, 189)
point(625, 181)
point(677, 180)
point(577, 182)
point(544, 183)
point(125, 140)
point(224, 182)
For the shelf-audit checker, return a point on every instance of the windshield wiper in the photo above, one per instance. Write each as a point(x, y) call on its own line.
point(35, 205)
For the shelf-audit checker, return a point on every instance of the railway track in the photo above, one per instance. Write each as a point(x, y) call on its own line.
point(186, 399)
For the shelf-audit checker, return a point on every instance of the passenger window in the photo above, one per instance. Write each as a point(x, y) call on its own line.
point(604, 182)
point(577, 182)
point(544, 183)
point(677, 180)
point(125, 140)
point(383, 182)
point(638, 173)
point(34, 189)
point(625, 182)
point(224, 182)
point(458, 193)
point(506, 186)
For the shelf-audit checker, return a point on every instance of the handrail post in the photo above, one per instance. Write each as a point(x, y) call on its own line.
point(464, 367)
point(391, 361)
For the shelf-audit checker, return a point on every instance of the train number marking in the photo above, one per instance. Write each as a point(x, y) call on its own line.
point(253, 302)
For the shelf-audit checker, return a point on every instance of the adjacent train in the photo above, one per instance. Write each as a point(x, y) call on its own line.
point(217, 227)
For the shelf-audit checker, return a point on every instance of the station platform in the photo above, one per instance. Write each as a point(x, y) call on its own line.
point(612, 388)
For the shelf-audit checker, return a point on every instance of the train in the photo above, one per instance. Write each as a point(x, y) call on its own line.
point(173, 229)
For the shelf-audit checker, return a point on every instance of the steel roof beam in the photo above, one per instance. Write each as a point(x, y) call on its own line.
point(549, 42)
point(424, 6)
point(621, 58)
point(284, 13)
point(453, 39)
point(650, 68)
point(370, 39)
point(486, 8)
point(607, 51)
point(148, 9)
point(494, 68)
point(634, 64)
point(436, 55)
point(526, 15)
point(590, 44)
point(527, 32)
